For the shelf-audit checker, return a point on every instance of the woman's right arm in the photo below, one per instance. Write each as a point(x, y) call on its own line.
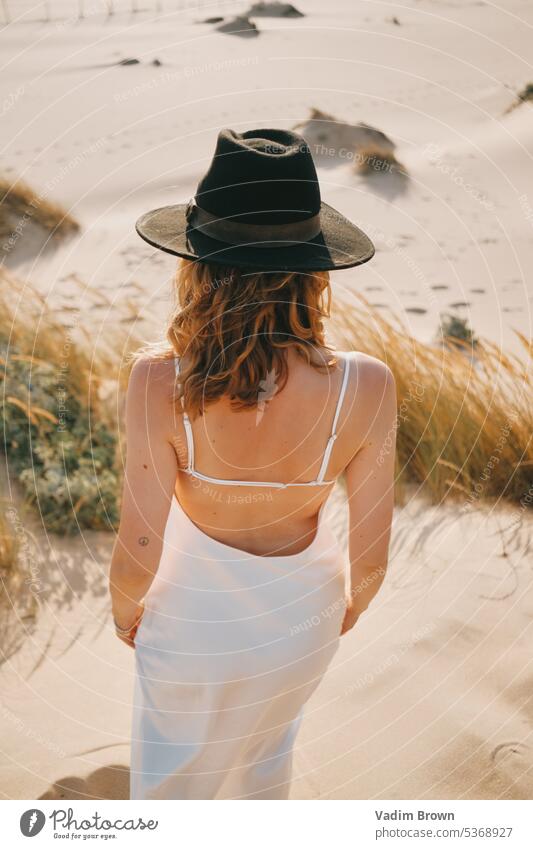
point(149, 482)
point(370, 485)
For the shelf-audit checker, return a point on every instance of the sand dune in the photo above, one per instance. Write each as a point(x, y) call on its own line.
point(107, 141)
point(430, 696)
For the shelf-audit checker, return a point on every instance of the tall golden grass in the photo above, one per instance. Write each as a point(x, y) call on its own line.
point(465, 414)
point(21, 205)
point(464, 425)
point(30, 326)
point(18, 605)
point(8, 546)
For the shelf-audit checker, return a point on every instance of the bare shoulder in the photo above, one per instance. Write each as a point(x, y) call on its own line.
point(368, 375)
point(370, 394)
point(153, 373)
point(151, 389)
point(371, 374)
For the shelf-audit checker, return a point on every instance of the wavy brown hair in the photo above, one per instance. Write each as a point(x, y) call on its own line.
point(232, 328)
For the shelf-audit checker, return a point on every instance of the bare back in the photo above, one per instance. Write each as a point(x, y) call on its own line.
point(283, 439)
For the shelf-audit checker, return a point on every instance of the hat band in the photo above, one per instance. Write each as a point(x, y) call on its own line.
point(260, 235)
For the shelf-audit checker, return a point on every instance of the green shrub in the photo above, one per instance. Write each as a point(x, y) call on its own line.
point(59, 437)
point(454, 330)
point(64, 461)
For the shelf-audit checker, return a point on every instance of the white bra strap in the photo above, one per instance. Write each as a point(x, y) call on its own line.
point(325, 459)
point(331, 441)
point(187, 426)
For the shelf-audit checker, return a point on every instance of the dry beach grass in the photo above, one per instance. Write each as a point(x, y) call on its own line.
point(21, 205)
point(465, 413)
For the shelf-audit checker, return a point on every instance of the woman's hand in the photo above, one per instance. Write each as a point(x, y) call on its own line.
point(126, 632)
point(351, 616)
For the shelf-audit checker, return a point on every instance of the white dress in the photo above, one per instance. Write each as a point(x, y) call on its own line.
point(230, 648)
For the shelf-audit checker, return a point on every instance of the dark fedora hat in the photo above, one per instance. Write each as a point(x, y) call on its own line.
point(258, 207)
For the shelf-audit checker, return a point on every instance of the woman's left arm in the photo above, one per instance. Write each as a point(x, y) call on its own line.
point(149, 483)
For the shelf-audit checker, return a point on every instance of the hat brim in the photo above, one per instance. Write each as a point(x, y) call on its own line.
point(340, 244)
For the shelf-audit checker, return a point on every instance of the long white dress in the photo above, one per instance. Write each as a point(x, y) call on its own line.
point(230, 648)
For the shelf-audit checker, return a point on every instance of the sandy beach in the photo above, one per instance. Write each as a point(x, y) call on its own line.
point(430, 696)
point(109, 141)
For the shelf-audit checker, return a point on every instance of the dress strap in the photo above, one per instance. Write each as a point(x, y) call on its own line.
point(320, 479)
point(333, 437)
point(187, 426)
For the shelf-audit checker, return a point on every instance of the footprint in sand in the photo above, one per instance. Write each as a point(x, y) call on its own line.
point(503, 750)
point(373, 288)
point(478, 291)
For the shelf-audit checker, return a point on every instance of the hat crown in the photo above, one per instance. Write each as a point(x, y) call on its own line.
point(260, 177)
